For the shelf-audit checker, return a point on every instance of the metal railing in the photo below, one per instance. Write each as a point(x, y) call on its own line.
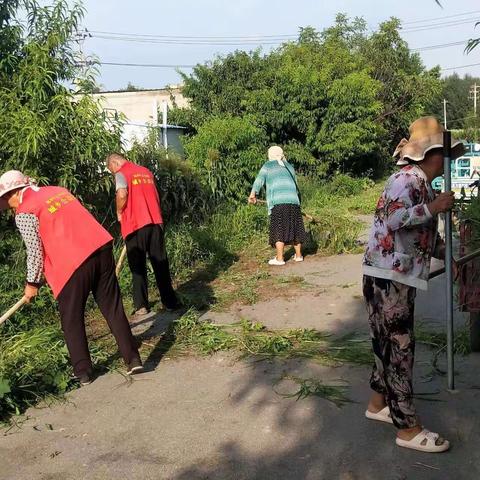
point(459, 262)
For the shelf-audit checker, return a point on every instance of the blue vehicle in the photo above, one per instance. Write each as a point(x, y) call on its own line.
point(465, 171)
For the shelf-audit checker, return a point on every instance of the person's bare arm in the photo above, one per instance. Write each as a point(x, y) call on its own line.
point(121, 201)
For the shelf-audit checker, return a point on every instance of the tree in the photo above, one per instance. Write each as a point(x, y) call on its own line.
point(406, 87)
point(57, 135)
point(337, 100)
point(47, 129)
point(456, 90)
point(222, 86)
point(227, 152)
point(131, 87)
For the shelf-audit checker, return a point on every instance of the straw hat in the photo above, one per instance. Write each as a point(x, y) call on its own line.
point(426, 134)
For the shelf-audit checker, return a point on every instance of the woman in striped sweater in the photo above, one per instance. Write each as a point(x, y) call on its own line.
point(283, 201)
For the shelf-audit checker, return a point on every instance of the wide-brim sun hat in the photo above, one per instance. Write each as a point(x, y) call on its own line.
point(426, 134)
point(12, 180)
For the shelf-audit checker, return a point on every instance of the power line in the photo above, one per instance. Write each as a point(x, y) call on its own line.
point(153, 41)
point(245, 42)
point(441, 45)
point(460, 66)
point(252, 40)
point(434, 26)
point(240, 40)
point(441, 18)
point(463, 118)
point(157, 65)
point(146, 65)
point(444, 21)
point(193, 37)
point(138, 39)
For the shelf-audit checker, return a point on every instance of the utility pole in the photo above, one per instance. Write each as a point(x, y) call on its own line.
point(445, 113)
point(79, 38)
point(474, 91)
point(165, 123)
point(447, 155)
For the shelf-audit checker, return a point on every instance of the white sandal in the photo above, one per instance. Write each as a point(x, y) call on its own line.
point(275, 261)
point(425, 441)
point(382, 416)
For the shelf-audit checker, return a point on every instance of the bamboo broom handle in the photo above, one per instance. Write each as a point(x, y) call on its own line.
point(12, 310)
point(121, 259)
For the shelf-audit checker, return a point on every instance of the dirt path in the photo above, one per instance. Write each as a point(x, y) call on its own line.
point(223, 418)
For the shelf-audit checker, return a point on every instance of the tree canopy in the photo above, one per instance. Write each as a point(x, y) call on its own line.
point(337, 100)
point(457, 91)
point(47, 128)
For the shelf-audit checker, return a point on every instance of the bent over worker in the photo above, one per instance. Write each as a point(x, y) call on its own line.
point(140, 216)
point(73, 251)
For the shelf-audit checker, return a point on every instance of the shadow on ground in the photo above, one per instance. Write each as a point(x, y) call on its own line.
point(219, 418)
point(316, 440)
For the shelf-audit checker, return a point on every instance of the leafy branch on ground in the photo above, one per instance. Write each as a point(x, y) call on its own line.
point(191, 335)
point(337, 394)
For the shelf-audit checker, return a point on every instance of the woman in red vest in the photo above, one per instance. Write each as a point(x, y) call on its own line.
point(140, 216)
point(74, 252)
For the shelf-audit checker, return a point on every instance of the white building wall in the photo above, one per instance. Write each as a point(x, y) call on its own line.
point(139, 107)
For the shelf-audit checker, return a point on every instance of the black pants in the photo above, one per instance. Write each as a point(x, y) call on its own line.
point(150, 241)
point(96, 275)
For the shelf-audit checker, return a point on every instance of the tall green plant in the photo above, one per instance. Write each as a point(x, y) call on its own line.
point(227, 152)
point(183, 197)
point(47, 128)
point(338, 100)
point(53, 132)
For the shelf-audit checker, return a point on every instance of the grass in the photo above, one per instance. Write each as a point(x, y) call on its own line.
point(204, 257)
point(335, 207)
point(238, 287)
point(438, 340)
point(307, 387)
point(190, 335)
point(34, 364)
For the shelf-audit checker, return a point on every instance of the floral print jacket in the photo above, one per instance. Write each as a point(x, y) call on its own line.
point(404, 235)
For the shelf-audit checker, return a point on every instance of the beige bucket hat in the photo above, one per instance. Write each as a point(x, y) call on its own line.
point(426, 134)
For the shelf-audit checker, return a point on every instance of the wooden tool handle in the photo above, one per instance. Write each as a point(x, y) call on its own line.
point(12, 310)
point(123, 254)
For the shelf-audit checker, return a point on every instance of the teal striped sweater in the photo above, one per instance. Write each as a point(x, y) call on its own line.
point(280, 185)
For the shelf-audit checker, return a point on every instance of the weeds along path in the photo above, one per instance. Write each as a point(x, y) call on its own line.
point(248, 390)
point(216, 261)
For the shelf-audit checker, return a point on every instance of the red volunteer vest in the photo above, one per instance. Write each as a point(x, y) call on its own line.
point(143, 202)
point(69, 233)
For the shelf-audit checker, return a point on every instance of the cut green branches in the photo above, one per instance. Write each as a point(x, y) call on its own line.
point(337, 394)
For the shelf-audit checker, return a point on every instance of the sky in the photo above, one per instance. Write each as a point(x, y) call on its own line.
point(253, 18)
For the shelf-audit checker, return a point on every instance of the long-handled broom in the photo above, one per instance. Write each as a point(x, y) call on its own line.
point(12, 310)
point(23, 300)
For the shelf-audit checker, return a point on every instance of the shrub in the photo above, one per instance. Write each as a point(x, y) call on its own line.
point(346, 186)
point(227, 152)
point(182, 194)
point(223, 233)
point(33, 364)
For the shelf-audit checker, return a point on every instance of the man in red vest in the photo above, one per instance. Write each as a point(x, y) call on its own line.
point(140, 216)
point(74, 253)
